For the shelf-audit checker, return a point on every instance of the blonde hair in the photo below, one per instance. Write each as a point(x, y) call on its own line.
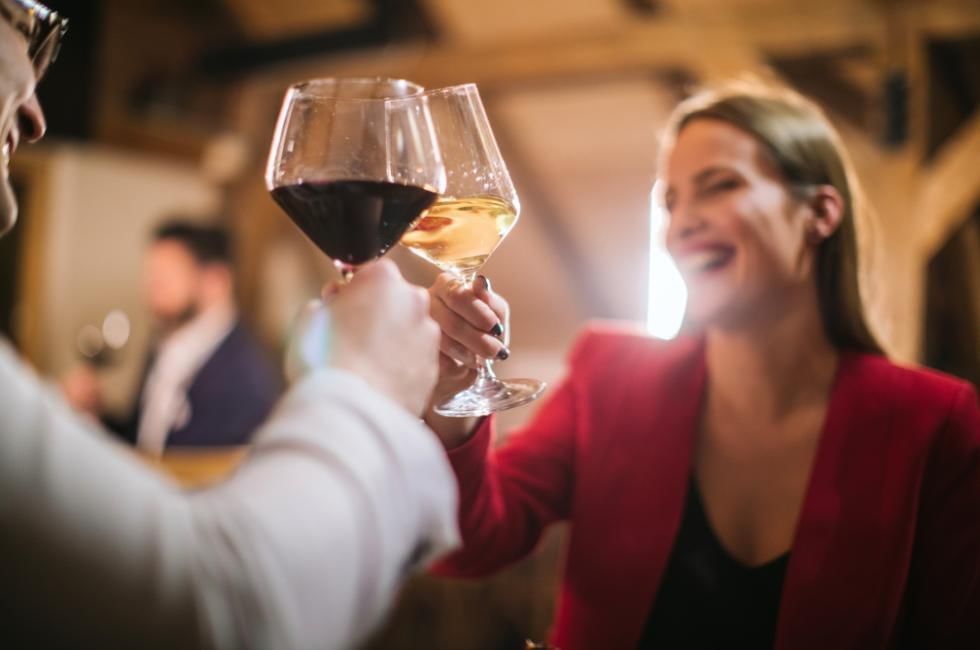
point(800, 141)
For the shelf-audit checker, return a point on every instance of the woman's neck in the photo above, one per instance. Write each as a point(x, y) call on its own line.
point(772, 366)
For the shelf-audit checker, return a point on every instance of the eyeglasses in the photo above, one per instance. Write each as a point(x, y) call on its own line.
point(42, 28)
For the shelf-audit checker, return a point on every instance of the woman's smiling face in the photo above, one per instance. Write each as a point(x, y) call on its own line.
point(737, 234)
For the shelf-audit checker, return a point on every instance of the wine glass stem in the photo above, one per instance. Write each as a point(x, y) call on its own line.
point(484, 372)
point(346, 271)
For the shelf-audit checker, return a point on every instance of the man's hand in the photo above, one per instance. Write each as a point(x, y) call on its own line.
point(381, 331)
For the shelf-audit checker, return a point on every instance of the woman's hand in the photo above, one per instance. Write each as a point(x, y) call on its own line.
point(475, 326)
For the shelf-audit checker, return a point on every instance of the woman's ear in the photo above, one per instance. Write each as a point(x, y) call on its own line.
point(826, 213)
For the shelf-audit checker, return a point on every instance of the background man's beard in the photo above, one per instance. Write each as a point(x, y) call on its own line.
point(171, 323)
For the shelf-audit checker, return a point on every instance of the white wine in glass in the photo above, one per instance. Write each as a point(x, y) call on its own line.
point(458, 235)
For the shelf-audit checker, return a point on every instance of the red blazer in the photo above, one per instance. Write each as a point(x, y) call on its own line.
point(887, 547)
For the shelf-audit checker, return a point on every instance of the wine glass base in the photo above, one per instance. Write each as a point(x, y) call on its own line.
point(490, 397)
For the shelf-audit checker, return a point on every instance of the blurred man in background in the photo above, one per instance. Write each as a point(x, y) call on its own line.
point(208, 382)
point(302, 548)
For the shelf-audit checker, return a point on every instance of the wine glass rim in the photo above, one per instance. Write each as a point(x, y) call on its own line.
point(446, 90)
point(310, 86)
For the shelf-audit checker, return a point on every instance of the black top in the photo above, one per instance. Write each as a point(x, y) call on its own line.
point(707, 598)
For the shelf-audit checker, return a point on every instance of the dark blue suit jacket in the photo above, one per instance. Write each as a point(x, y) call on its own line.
point(228, 399)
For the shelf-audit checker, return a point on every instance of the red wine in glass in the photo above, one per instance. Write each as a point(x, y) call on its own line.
point(353, 221)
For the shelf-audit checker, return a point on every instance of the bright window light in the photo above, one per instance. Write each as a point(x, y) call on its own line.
point(667, 293)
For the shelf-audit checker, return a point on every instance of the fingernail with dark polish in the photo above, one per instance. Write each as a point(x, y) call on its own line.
point(497, 330)
point(486, 282)
point(503, 355)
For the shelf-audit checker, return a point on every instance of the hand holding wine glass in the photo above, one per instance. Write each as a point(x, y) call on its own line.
point(380, 330)
point(474, 314)
point(474, 321)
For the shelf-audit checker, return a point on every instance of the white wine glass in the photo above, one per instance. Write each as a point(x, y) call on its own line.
point(477, 210)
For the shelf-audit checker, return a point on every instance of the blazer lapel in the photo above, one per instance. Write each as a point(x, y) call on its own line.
point(661, 414)
point(846, 571)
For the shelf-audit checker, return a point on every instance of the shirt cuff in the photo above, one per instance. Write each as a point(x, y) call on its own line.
point(409, 451)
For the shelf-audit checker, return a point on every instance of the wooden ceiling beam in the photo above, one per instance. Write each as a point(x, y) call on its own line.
point(666, 42)
point(949, 18)
point(950, 189)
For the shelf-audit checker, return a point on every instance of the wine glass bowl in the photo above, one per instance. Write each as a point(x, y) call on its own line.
point(353, 163)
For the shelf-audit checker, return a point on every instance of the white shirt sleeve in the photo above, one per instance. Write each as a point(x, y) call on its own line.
point(302, 547)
